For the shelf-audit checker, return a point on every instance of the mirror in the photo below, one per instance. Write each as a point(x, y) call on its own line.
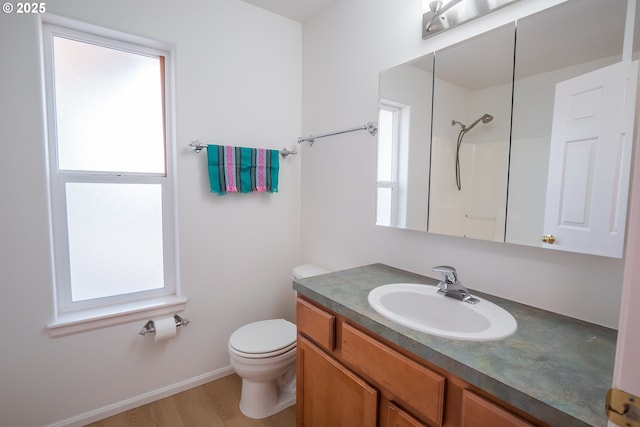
point(470, 139)
point(477, 165)
point(553, 46)
point(404, 132)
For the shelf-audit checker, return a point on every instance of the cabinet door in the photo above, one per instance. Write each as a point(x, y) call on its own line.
point(414, 386)
point(399, 418)
point(328, 394)
point(479, 412)
point(590, 161)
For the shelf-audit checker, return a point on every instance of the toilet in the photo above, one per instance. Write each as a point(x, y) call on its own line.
point(263, 354)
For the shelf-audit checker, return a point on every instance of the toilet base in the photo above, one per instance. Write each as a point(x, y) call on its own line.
point(262, 399)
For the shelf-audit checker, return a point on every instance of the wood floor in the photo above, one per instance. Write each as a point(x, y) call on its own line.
point(214, 404)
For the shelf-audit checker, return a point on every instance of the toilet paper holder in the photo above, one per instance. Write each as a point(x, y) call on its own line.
point(149, 327)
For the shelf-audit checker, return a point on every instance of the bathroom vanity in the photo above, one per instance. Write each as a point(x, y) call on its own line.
point(356, 368)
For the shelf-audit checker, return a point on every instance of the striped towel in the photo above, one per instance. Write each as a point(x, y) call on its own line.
point(242, 170)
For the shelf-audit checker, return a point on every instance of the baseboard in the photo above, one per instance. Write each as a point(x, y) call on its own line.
point(142, 399)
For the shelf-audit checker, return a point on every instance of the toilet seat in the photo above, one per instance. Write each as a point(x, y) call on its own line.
point(272, 354)
point(266, 338)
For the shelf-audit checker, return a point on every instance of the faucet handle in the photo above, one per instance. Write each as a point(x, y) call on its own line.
point(449, 273)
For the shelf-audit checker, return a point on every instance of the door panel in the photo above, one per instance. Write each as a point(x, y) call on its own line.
point(329, 394)
point(590, 161)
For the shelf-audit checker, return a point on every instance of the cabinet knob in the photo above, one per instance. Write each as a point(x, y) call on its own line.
point(549, 238)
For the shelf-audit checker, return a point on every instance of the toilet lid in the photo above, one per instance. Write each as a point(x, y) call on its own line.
point(266, 336)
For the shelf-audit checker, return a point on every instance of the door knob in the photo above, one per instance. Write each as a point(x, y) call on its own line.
point(549, 238)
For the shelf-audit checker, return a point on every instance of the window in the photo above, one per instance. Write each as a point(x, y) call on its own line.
point(111, 173)
point(388, 135)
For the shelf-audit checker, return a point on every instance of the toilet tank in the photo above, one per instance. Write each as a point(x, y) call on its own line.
point(308, 270)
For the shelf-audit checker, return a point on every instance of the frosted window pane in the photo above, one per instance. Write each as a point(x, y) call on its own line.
point(384, 207)
point(385, 145)
point(109, 109)
point(115, 239)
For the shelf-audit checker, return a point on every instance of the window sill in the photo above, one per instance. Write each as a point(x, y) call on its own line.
point(85, 320)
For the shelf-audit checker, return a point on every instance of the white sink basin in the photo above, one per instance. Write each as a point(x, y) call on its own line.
point(422, 308)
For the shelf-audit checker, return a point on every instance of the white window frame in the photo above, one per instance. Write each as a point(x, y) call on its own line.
point(77, 316)
point(396, 110)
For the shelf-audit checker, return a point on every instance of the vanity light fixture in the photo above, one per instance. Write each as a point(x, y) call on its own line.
point(445, 14)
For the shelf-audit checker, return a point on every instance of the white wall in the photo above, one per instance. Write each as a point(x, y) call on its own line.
point(238, 82)
point(344, 49)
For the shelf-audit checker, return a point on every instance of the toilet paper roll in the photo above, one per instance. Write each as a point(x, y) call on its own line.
point(165, 328)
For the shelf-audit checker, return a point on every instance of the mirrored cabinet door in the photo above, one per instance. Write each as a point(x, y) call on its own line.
point(558, 50)
point(404, 135)
point(470, 138)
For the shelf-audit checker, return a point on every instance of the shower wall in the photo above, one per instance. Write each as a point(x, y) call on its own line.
point(483, 173)
point(478, 209)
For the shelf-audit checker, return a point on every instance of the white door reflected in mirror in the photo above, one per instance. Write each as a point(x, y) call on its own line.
point(590, 160)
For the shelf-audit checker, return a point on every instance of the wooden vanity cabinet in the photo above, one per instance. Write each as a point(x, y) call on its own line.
point(317, 324)
point(328, 394)
point(348, 377)
point(396, 417)
point(419, 388)
point(477, 411)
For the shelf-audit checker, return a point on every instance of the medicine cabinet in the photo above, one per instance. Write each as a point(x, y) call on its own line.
point(477, 145)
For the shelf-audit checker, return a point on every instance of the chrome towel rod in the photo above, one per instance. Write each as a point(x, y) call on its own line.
point(198, 147)
point(371, 127)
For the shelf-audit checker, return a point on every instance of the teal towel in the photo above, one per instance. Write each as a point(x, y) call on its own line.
point(242, 169)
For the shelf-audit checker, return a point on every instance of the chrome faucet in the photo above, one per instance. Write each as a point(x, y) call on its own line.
point(450, 285)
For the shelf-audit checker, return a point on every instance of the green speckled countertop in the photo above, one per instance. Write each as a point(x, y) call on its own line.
point(554, 367)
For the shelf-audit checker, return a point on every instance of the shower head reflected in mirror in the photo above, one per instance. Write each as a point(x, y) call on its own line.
point(486, 118)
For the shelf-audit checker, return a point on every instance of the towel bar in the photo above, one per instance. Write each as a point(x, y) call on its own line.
point(198, 147)
point(371, 127)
